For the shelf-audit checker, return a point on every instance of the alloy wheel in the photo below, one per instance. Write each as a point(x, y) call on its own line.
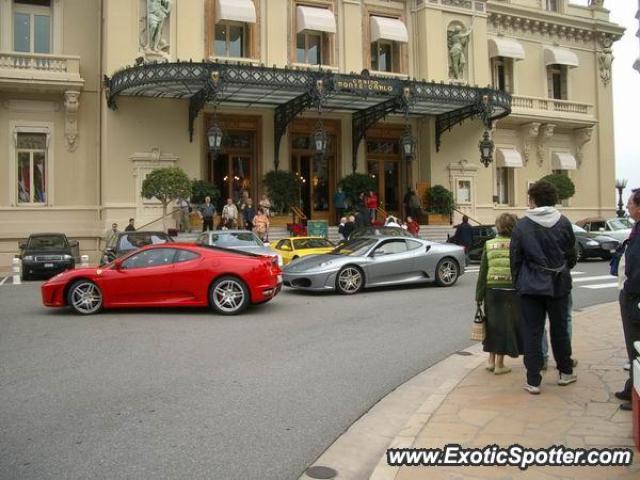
point(349, 280)
point(447, 272)
point(229, 296)
point(85, 297)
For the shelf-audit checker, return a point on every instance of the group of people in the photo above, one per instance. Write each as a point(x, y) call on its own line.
point(243, 215)
point(348, 224)
point(365, 208)
point(525, 278)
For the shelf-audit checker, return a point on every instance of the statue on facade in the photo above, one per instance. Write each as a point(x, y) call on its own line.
point(157, 13)
point(457, 38)
point(596, 3)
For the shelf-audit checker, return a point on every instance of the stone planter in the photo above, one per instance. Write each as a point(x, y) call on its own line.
point(437, 219)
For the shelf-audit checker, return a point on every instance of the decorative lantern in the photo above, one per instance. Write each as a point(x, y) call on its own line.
point(214, 137)
point(407, 144)
point(486, 146)
point(319, 140)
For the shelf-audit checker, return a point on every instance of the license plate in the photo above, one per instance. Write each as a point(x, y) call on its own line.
point(279, 278)
point(48, 265)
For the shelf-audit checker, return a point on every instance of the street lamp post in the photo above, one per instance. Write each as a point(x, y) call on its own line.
point(621, 184)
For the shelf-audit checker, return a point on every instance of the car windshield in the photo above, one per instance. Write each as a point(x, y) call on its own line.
point(577, 229)
point(620, 224)
point(355, 248)
point(235, 239)
point(303, 243)
point(386, 231)
point(49, 242)
point(132, 241)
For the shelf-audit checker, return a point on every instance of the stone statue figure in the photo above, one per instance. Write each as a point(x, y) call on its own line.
point(457, 38)
point(157, 13)
point(596, 3)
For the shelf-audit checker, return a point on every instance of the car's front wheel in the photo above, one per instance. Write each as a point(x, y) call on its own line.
point(447, 272)
point(84, 297)
point(350, 280)
point(229, 296)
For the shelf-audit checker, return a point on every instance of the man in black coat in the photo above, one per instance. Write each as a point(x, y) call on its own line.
point(542, 254)
point(630, 294)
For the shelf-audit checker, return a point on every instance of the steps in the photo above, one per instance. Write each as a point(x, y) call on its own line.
point(434, 233)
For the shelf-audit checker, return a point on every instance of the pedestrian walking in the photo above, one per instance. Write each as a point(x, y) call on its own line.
point(349, 226)
point(261, 225)
point(208, 212)
point(248, 214)
point(130, 226)
point(629, 279)
point(110, 233)
point(341, 227)
point(371, 201)
point(392, 221)
point(184, 219)
point(464, 236)
point(265, 205)
point(413, 227)
point(245, 199)
point(542, 254)
point(495, 292)
point(229, 219)
point(339, 203)
point(413, 206)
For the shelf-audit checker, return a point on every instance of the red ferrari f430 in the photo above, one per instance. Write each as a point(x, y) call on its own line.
point(169, 275)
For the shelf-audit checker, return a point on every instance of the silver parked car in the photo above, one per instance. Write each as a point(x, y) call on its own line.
point(243, 240)
point(377, 261)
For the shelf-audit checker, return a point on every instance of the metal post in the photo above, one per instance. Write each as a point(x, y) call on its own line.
point(15, 268)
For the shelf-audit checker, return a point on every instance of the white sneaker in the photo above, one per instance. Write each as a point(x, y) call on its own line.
point(531, 389)
point(567, 378)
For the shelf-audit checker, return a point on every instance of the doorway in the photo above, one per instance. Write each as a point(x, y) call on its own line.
point(384, 163)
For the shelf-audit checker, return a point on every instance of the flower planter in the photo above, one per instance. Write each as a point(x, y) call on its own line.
point(437, 219)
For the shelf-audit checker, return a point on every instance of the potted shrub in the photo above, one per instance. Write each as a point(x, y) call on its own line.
point(283, 190)
point(356, 183)
point(440, 205)
point(565, 186)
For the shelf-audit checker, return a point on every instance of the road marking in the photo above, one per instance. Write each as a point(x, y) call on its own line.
point(600, 286)
point(577, 273)
point(591, 279)
point(4, 280)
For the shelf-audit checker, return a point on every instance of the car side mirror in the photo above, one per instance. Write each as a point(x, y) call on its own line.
point(117, 264)
point(286, 248)
point(73, 243)
point(378, 253)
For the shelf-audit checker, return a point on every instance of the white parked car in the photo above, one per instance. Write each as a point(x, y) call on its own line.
point(618, 228)
point(243, 240)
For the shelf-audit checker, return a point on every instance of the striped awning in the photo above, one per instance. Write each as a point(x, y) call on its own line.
point(506, 47)
point(384, 28)
point(508, 158)
point(236, 11)
point(563, 161)
point(315, 19)
point(560, 56)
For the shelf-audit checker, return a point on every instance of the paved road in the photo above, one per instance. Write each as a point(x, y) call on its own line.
point(186, 394)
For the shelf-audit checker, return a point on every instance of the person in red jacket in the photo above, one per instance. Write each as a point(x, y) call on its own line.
point(371, 202)
point(412, 226)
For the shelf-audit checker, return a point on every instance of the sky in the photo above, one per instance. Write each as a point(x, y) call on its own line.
point(626, 91)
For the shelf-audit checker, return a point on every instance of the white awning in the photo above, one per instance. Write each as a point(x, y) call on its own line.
point(560, 56)
point(383, 28)
point(316, 19)
point(506, 47)
point(509, 158)
point(236, 11)
point(563, 161)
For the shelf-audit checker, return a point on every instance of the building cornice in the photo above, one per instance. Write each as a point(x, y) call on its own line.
point(520, 20)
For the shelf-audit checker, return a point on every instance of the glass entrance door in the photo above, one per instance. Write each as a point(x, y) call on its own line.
point(386, 173)
point(232, 175)
point(314, 176)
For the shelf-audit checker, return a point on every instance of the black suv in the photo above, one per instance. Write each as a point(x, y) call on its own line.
point(125, 242)
point(46, 254)
point(481, 233)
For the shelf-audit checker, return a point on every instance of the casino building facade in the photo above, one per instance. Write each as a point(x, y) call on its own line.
point(95, 94)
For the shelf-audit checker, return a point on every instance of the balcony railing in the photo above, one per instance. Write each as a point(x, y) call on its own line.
point(550, 105)
point(21, 68)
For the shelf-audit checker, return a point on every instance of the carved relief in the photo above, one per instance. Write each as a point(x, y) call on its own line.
point(545, 135)
point(605, 57)
point(582, 137)
point(529, 134)
point(71, 106)
point(154, 27)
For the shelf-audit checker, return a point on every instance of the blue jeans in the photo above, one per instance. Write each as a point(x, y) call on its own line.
point(545, 341)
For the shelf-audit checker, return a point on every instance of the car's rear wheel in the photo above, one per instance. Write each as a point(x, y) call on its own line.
point(229, 296)
point(350, 280)
point(84, 297)
point(447, 272)
point(579, 253)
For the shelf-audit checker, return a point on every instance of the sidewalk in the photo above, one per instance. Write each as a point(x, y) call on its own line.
point(485, 409)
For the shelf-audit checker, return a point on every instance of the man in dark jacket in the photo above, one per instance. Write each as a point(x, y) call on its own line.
point(464, 236)
point(630, 294)
point(542, 254)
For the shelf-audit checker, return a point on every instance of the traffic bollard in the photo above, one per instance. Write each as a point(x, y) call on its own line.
point(84, 261)
point(15, 268)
